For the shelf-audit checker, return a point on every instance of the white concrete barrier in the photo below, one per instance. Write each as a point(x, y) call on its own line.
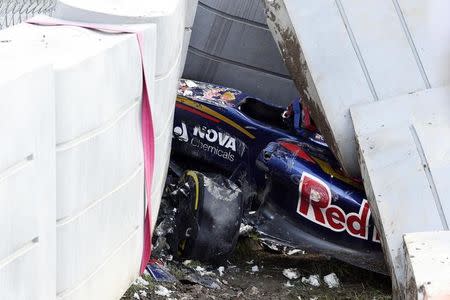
point(404, 150)
point(27, 179)
point(191, 8)
point(171, 18)
point(99, 157)
point(428, 265)
point(348, 52)
point(375, 75)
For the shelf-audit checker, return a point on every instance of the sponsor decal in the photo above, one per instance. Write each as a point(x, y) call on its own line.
point(223, 139)
point(209, 140)
point(181, 132)
point(376, 236)
point(315, 205)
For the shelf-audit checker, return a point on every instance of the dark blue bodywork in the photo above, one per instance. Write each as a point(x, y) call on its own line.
point(303, 199)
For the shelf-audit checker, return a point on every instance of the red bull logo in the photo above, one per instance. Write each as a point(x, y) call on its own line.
point(315, 205)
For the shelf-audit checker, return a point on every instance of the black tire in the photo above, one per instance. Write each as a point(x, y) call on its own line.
point(208, 217)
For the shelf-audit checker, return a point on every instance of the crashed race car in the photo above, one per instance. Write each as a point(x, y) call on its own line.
point(241, 159)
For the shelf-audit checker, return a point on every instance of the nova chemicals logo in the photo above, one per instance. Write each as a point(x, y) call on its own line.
point(208, 140)
point(213, 136)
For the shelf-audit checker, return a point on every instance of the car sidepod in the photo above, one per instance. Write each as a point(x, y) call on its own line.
point(309, 205)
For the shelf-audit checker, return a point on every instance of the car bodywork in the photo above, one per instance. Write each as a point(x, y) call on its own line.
point(301, 197)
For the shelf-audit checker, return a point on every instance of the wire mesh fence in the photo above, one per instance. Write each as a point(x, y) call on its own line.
point(16, 11)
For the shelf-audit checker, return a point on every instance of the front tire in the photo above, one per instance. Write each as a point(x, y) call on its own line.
point(208, 217)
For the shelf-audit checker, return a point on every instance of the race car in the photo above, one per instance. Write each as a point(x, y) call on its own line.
point(240, 158)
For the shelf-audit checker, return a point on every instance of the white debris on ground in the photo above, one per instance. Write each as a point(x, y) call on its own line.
point(291, 273)
point(245, 229)
point(202, 271)
point(313, 280)
point(136, 296)
point(199, 269)
point(331, 280)
point(143, 293)
point(255, 269)
point(221, 270)
point(254, 291)
point(295, 251)
point(187, 262)
point(140, 281)
point(250, 262)
point(288, 284)
point(163, 291)
point(271, 246)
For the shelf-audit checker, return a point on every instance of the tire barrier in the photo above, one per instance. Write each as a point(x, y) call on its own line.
point(231, 45)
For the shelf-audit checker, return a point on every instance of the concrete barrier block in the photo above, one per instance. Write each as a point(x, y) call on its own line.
point(99, 157)
point(27, 179)
point(112, 275)
point(171, 18)
point(427, 265)
point(90, 169)
point(191, 9)
point(162, 149)
point(186, 40)
point(348, 52)
point(117, 219)
point(404, 158)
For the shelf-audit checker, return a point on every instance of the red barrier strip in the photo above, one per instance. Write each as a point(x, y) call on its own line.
point(147, 122)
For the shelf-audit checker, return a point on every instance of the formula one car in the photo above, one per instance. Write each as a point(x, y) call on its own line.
point(238, 156)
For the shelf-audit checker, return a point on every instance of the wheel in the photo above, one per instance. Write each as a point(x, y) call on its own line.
point(208, 217)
